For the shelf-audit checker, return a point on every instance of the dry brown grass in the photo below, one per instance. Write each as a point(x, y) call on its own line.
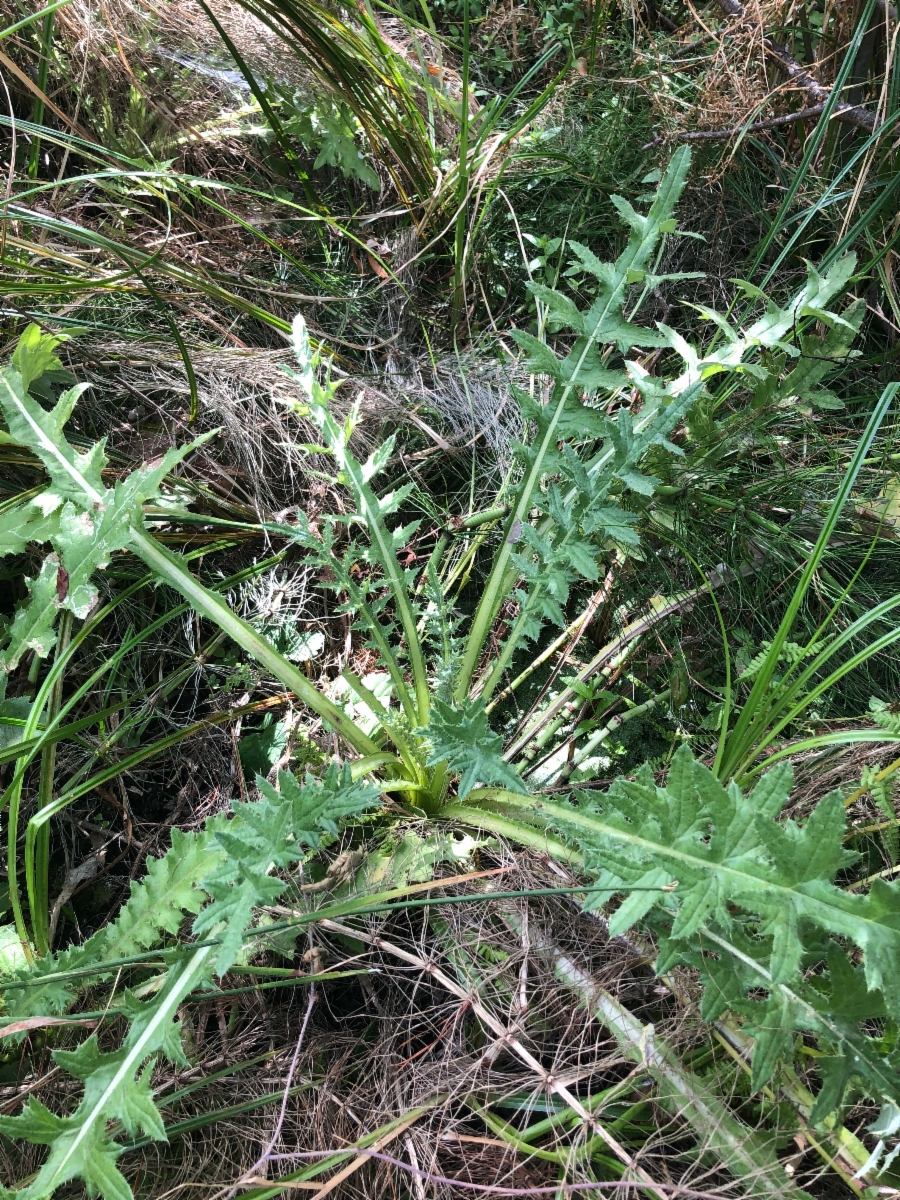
point(392, 1039)
point(734, 80)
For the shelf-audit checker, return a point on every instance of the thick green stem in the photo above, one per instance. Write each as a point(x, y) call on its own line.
point(404, 745)
point(516, 831)
point(170, 568)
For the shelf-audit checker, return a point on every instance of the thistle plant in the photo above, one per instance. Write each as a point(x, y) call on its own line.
point(750, 902)
point(220, 876)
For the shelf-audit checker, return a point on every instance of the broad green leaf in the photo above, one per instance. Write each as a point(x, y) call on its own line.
point(12, 955)
point(32, 627)
point(821, 357)
point(35, 355)
point(84, 521)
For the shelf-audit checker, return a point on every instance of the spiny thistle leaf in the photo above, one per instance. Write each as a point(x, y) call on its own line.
point(115, 1089)
point(229, 865)
point(317, 804)
point(84, 521)
point(754, 906)
point(32, 627)
point(462, 738)
point(35, 355)
point(821, 357)
point(368, 512)
point(568, 428)
point(157, 905)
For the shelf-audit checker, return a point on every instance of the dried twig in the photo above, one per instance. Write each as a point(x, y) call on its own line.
point(746, 1154)
point(711, 135)
point(279, 1124)
point(849, 114)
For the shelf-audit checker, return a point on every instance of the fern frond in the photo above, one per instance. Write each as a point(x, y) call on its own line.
point(883, 717)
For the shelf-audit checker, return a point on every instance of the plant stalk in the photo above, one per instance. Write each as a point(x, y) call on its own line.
point(168, 567)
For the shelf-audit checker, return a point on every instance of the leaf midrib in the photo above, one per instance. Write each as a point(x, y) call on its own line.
point(748, 883)
point(71, 470)
point(136, 1054)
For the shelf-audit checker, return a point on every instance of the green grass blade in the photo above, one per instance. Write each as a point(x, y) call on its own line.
point(738, 741)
